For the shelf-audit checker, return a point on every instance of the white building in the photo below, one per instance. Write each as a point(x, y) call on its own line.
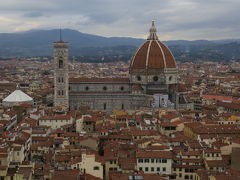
point(88, 164)
point(17, 97)
point(55, 122)
point(154, 162)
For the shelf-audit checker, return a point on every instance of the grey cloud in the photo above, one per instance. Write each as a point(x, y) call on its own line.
point(33, 14)
point(175, 18)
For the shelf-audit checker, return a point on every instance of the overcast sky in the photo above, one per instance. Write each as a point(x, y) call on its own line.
point(175, 19)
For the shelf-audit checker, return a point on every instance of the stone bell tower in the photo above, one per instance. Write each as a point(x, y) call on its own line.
point(61, 86)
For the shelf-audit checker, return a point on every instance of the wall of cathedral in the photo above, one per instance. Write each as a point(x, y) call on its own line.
point(106, 96)
point(109, 102)
point(100, 87)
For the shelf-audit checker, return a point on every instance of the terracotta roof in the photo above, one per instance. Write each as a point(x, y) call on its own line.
point(137, 87)
point(153, 54)
point(127, 163)
point(216, 163)
point(154, 154)
point(233, 106)
point(66, 174)
point(59, 117)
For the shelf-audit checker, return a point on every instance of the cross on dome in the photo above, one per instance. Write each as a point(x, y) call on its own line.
point(153, 32)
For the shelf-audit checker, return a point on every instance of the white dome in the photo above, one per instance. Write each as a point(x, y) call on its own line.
point(18, 96)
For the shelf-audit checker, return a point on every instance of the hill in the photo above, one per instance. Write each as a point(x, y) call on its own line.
point(39, 43)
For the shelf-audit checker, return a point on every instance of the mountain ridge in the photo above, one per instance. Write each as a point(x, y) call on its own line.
point(39, 43)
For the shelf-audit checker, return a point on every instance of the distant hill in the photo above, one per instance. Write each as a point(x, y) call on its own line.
point(39, 43)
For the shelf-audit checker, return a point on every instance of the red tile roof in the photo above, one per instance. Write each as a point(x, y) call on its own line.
point(153, 55)
point(154, 154)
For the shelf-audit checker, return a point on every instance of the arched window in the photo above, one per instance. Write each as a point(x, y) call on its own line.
point(60, 63)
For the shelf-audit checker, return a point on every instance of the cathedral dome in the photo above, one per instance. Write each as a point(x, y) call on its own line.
point(153, 54)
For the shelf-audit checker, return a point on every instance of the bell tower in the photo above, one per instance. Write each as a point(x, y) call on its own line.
point(61, 86)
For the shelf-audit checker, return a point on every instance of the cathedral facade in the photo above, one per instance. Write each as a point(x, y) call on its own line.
point(152, 82)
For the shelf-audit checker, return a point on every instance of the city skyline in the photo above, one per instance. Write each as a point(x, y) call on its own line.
point(187, 19)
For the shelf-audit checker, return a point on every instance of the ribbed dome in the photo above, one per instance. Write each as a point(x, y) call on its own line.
point(153, 54)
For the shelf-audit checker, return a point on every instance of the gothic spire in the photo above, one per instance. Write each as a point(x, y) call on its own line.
point(153, 32)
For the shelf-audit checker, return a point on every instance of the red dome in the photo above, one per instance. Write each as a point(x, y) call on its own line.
point(153, 54)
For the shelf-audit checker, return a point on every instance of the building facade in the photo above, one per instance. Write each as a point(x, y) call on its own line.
point(61, 85)
point(152, 82)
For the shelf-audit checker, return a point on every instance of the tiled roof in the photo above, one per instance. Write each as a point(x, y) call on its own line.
point(153, 54)
point(154, 154)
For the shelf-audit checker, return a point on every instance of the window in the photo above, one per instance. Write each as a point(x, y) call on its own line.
point(86, 88)
point(122, 106)
point(140, 168)
point(186, 177)
point(158, 168)
point(155, 78)
point(59, 92)
point(60, 63)
point(122, 88)
point(146, 169)
point(95, 168)
point(104, 106)
point(146, 160)
point(104, 88)
point(163, 169)
point(152, 169)
point(152, 160)
point(140, 160)
point(164, 160)
point(139, 78)
point(170, 78)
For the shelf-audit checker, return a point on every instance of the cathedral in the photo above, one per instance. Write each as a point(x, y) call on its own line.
point(152, 82)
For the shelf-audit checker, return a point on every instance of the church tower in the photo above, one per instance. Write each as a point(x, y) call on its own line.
point(61, 86)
